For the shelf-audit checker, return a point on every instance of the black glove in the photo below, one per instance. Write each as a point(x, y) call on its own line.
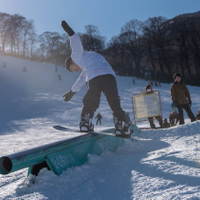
point(67, 28)
point(67, 96)
point(175, 103)
point(190, 103)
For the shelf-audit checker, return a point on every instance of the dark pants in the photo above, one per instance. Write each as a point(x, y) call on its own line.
point(187, 108)
point(98, 122)
point(108, 85)
point(159, 118)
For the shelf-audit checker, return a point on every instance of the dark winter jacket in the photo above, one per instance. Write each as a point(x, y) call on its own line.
point(180, 93)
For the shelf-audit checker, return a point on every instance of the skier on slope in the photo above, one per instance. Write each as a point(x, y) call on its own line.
point(98, 117)
point(99, 75)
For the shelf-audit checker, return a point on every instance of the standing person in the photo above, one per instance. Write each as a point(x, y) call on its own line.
point(181, 98)
point(98, 117)
point(149, 90)
point(99, 75)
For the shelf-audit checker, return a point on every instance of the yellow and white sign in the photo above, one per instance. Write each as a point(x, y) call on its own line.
point(146, 105)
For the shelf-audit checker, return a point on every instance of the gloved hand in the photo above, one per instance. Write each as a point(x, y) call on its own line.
point(67, 96)
point(175, 103)
point(190, 103)
point(67, 28)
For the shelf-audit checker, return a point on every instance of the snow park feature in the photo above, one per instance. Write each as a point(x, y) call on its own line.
point(160, 164)
point(63, 154)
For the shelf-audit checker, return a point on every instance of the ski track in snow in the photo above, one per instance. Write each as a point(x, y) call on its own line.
point(160, 164)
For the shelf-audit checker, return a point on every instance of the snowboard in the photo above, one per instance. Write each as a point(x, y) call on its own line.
point(131, 138)
point(109, 131)
point(69, 129)
point(149, 128)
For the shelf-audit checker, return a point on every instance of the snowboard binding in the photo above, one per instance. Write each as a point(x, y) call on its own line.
point(86, 124)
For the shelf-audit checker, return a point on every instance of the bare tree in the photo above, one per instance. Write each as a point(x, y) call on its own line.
point(194, 44)
point(32, 41)
point(157, 39)
point(51, 42)
point(4, 18)
point(115, 54)
point(92, 40)
point(14, 30)
point(181, 41)
point(27, 34)
point(130, 37)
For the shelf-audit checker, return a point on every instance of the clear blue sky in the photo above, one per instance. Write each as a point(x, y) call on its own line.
point(108, 15)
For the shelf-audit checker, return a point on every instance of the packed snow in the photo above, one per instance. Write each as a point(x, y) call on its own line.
point(163, 164)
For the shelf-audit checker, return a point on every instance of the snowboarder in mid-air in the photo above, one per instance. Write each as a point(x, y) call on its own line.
point(99, 75)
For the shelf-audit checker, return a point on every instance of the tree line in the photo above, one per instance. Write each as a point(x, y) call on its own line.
point(154, 49)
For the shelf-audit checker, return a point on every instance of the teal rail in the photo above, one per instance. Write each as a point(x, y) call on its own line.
point(60, 155)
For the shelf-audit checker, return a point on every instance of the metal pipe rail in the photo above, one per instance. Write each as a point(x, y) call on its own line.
point(60, 155)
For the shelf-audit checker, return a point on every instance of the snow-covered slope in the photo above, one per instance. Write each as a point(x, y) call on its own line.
point(164, 164)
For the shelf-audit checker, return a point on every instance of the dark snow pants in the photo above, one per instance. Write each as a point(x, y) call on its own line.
point(187, 108)
point(108, 85)
point(98, 122)
point(152, 125)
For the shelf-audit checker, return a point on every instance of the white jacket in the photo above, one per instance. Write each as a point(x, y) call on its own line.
point(91, 63)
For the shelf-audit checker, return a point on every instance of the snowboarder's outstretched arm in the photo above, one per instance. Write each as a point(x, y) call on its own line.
point(76, 87)
point(67, 28)
point(77, 52)
point(75, 43)
point(79, 82)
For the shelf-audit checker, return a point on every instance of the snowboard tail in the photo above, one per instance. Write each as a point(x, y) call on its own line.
point(64, 128)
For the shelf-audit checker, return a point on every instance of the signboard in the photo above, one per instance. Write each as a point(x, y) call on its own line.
point(146, 105)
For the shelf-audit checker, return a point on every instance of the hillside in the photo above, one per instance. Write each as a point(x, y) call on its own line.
point(162, 164)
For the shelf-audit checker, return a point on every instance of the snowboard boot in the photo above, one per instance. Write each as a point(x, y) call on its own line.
point(122, 127)
point(85, 124)
point(160, 123)
point(118, 126)
point(152, 125)
point(127, 130)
